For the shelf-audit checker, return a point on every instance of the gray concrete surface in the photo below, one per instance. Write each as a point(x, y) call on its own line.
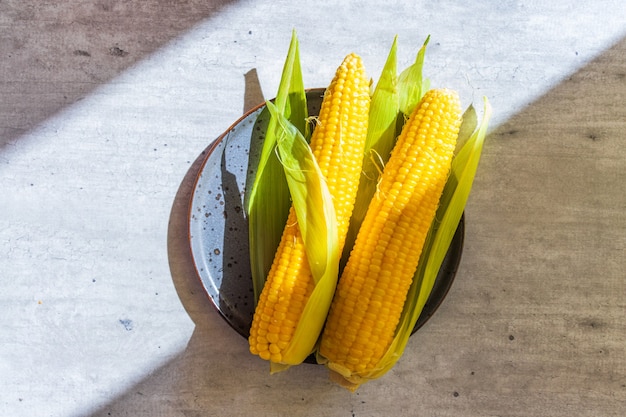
point(106, 108)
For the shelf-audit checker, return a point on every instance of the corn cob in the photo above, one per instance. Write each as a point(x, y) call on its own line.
point(337, 144)
point(372, 290)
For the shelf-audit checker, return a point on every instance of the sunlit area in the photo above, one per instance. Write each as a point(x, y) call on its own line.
point(106, 115)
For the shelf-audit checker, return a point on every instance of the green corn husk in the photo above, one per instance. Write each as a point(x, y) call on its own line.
point(268, 202)
point(412, 84)
point(317, 221)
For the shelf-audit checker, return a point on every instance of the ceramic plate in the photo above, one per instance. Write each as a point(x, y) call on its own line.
point(218, 229)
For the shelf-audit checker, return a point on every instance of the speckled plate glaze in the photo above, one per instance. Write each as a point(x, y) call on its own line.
point(218, 228)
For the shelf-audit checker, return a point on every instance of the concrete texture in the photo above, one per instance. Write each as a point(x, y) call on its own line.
point(107, 108)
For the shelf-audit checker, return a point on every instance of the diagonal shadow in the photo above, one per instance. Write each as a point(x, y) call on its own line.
point(201, 379)
point(56, 53)
point(193, 295)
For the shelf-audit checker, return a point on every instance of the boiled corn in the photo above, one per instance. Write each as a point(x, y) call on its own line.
point(337, 144)
point(372, 290)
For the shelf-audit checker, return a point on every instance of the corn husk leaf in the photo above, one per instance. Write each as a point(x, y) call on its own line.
point(268, 202)
point(317, 221)
point(451, 208)
point(381, 136)
point(467, 129)
point(412, 84)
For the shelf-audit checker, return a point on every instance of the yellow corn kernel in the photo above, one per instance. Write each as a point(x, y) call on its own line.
point(337, 144)
point(381, 266)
